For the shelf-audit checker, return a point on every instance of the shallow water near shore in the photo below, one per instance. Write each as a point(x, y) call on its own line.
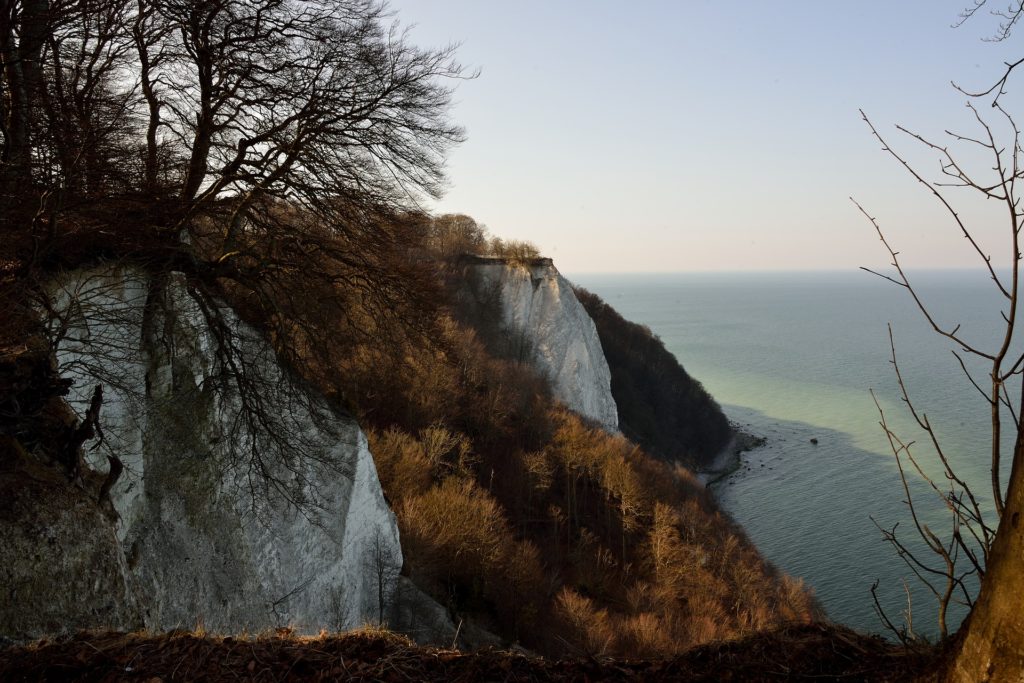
point(792, 357)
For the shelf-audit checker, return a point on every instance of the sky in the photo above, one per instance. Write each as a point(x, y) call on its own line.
point(690, 135)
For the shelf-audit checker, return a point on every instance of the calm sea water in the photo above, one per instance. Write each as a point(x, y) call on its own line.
point(792, 357)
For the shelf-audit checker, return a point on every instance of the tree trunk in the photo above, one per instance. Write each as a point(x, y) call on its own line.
point(152, 126)
point(203, 139)
point(21, 45)
point(142, 33)
point(990, 645)
point(197, 164)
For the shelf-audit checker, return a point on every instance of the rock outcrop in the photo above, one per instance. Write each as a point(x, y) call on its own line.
point(244, 504)
point(543, 322)
point(61, 566)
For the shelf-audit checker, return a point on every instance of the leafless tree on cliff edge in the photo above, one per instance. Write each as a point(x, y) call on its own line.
point(269, 151)
point(990, 643)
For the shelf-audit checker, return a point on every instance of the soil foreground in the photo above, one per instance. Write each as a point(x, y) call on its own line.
point(807, 652)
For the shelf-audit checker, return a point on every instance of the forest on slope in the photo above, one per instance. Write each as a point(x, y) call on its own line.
point(519, 515)
point(661, 407)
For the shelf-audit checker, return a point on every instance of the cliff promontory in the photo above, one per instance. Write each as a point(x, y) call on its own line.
point(540, 321)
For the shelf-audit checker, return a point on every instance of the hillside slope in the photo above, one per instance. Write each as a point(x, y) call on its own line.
point(527, 518)
point(661, 407)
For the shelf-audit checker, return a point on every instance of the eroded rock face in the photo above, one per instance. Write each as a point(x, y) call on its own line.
point(243, 505)
point(61, 568)
point(549, 326)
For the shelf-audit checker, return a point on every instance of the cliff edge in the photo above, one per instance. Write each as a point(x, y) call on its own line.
point(538, 319)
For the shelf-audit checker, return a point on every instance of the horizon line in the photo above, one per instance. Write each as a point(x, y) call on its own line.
point(785, 271)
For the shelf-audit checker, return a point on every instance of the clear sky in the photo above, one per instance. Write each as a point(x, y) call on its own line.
point(697, 135)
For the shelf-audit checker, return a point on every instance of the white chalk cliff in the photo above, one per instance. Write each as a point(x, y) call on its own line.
point(245, 505)
point(550, 327)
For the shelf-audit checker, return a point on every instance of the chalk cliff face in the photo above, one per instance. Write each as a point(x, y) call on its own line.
point(547, 325)
point(243, 505)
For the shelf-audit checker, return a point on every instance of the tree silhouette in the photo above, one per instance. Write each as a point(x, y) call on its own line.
point(265, 151)
point(989, 645)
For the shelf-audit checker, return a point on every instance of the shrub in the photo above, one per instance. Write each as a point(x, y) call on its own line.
point(456, 535)
point(515, 251)
point(588, 629)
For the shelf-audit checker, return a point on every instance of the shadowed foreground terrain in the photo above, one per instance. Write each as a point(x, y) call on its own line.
point(807, 652)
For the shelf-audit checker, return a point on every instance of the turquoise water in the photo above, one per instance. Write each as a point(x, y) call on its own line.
point(792, 357)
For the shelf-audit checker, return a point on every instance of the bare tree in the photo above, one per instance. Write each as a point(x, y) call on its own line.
point(24, 26)
point(269, 152)
point(383, 566)
point(983, 541)
point(83, 134)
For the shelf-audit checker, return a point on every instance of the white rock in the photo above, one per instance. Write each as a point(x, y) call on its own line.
point(207, 541)
point(541, 312)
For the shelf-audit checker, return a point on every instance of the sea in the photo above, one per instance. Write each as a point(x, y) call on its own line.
point(801, 359)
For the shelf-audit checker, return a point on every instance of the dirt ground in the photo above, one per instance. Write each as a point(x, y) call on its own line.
point(809, 652)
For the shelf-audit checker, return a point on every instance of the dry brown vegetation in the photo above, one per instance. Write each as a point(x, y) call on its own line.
point(795, 653)
point(622, 555)
point(451, 236)
point(517, 513)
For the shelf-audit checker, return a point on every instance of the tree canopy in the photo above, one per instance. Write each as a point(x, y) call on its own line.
point(157, 114)
point(274, 153)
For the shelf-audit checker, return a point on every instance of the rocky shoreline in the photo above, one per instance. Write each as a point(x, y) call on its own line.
point(728, 459)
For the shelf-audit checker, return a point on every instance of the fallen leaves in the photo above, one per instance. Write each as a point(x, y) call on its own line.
point(816, 651)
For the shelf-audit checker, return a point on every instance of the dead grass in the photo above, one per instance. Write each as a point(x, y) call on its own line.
point(808, 652)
